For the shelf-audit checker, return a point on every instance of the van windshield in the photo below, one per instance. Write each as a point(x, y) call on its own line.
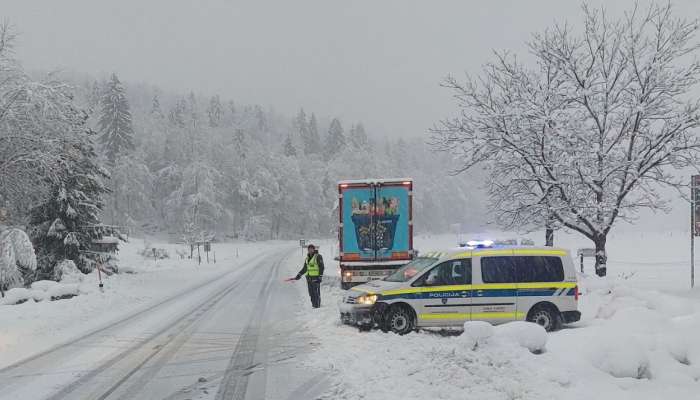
point(410, 270)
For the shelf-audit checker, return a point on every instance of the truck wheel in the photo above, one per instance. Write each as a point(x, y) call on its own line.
point(399, 319)
point(345, 285)
point(546, 316)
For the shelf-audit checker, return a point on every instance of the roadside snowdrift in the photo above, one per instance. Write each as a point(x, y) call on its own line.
point(634, 342)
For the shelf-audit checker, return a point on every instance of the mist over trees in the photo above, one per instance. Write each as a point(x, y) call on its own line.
point(202, 165)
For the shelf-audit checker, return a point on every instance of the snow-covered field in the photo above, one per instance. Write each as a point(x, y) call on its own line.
point(637, 339)
point(32, 327)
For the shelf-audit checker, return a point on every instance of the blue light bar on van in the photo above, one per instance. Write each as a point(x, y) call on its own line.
point(480, 243)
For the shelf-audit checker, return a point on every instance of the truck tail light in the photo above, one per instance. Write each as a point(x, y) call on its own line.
point(576, 293)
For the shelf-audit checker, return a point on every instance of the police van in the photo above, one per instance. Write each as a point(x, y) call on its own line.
point(479, 282)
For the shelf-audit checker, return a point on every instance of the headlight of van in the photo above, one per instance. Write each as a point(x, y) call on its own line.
point(367, 299)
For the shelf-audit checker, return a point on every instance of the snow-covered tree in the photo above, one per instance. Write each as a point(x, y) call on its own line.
point(115, 125)
point(215, 111)
point(313, 144)
point(17, 259)
point(335, 140)
point(289, 149)
point(156, 110)
point(66, 223)
point(601, 121)
point(358, 136)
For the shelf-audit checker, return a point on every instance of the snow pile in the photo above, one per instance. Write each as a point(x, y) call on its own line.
point(40, 291)
point(66, 271)
point(16, 296)
point(477, 333)
point(525, 334)
point(519, 333)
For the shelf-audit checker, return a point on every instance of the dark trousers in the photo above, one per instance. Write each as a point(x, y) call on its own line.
point(314, 285)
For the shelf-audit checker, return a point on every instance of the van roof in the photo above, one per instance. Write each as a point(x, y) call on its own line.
point(495, 251)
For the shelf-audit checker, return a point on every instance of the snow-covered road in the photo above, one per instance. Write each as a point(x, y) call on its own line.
point(235, 336)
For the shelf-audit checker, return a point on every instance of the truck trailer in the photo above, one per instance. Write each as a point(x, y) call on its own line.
point(375, 231)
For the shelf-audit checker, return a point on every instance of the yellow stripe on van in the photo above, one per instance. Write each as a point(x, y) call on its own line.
point(517, 252)
point(498, 252)
point(427, 289)
point(498, 315)
point(474, 316)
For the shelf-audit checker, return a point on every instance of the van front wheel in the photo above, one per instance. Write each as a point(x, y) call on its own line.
point(399, 320)
point(546, 316)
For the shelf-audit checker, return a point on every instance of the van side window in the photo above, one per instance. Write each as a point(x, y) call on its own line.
point(538, 269)
point(497, 270)
point(454, 272)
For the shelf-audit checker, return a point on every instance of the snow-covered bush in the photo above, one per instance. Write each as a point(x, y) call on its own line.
point(158, 253)
point(526, 334)
point(520, 333)
point(17, 258)
point(621, 356)
point(66, 271)
point(17, 296)
point(476, 333)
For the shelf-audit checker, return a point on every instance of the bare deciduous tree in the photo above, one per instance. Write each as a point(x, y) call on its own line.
point(589, 135)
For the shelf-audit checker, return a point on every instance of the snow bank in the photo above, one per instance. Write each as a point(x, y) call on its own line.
point(525, 334)
point(16, 296)
point(43, 285)
point(637, 339)
point(64, 290)
point(477, 333)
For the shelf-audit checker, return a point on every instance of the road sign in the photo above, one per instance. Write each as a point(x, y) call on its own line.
point(586, 252)
point(302, 242)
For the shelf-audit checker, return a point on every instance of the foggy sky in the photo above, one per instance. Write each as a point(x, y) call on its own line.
point(378, 61)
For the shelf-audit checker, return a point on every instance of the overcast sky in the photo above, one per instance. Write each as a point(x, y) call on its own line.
point(377, 61)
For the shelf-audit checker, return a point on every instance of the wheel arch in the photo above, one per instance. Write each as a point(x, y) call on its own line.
point(539, 304)
point(406, 306)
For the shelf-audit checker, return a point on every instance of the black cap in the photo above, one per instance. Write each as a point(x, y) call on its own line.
point(310, 246)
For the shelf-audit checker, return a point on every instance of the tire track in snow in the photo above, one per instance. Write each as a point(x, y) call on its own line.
point(234, 383)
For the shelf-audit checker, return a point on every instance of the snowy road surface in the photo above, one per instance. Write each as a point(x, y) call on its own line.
point(232, 337)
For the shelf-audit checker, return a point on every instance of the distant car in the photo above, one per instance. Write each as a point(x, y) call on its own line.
point(494, 283)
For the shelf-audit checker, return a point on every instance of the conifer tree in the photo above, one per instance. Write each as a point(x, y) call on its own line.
point(64, 225)
point(215, 111)
point(358, 136)
point(313, 146)
point(156, 110)
point(289, 149)
point(117, 132)
point(335, 141)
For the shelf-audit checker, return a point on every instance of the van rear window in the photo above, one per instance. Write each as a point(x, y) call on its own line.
point(511, 269)
point(538, 269)
point(497, 270)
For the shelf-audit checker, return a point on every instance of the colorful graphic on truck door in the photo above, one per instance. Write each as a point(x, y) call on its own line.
point(376, 223)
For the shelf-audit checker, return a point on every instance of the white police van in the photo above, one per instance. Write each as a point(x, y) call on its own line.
point(480, 282)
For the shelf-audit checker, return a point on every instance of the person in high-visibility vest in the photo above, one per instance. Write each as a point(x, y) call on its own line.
point(313, 268)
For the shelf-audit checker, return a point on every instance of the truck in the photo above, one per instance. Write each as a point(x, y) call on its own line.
point(375, 231)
